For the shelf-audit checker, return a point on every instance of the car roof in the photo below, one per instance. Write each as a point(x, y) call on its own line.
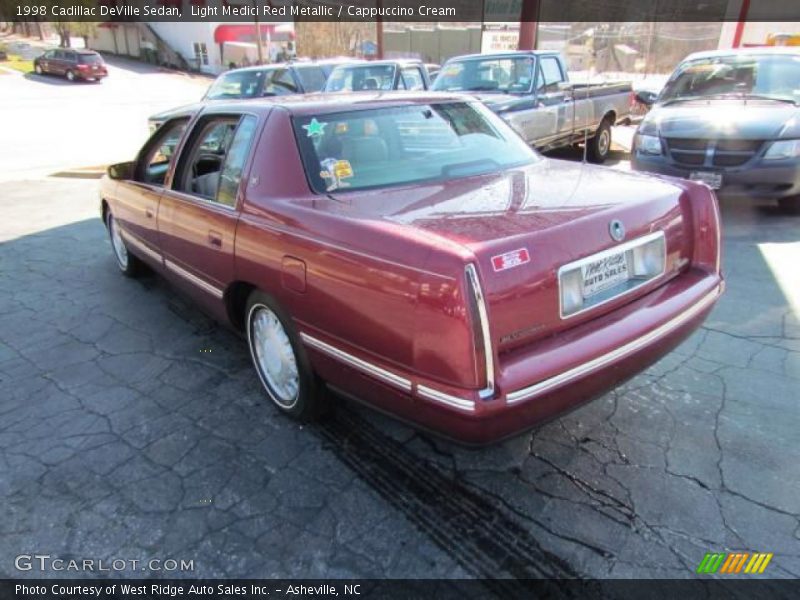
point(393, 61)
point(504, 54)
point(316, 104)
point(753, 51)
point(298, 64)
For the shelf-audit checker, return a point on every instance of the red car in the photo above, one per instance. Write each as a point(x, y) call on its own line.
point(411, 251)
point(75, 65)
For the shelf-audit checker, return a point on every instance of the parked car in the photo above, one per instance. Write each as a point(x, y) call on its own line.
point(75, 65)
point(474, 288)
point(532, 92)
point(379, 75)
point(731, 119)
point(281, 79)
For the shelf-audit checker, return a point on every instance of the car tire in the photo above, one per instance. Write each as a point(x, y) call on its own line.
point(71, 75)
point(39, 70)
point(280, 360)
point(790, 205)
point(127, 262)
point(600, 145)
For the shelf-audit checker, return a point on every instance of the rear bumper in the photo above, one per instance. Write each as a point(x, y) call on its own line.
point(545, 381)
point(779, 180)
point(91, 75)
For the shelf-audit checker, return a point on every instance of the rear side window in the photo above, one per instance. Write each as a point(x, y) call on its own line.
point(550, 75)
point(235, 161)
point(89, 59)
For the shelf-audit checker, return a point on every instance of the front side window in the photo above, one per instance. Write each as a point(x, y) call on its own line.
point(211, 168)
point(401, 145)
point(412, 78)
point(238, 84)
point(279, 82)
point(159, 152)
point(487, 75)
point(361, 78)
point(312, 78)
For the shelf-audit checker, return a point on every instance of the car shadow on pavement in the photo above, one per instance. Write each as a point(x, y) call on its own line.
point(122, 398)
point(55, 80)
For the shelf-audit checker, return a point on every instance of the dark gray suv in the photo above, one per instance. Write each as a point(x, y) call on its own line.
point(730, 119)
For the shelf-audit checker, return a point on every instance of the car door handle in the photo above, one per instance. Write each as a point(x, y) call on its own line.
point(215, 239)
point(148, 212)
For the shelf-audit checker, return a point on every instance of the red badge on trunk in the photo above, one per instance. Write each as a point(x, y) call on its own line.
point(515, 258)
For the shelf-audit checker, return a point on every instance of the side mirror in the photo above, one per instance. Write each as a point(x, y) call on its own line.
point(121, 171)
point(645, 97)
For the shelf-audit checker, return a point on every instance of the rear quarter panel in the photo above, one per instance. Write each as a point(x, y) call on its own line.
point(367, 289)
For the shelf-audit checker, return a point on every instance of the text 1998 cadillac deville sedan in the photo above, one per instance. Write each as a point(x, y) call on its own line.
point(413, 252)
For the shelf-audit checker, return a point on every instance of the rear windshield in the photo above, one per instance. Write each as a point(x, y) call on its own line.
point(361, 78)
point(401, 145)
point(89, 59)
point(312, 78)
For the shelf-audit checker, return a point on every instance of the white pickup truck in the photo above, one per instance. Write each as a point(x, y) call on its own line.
point(532, 92)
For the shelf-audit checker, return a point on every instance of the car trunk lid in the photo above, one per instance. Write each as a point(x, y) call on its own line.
point(523, 225)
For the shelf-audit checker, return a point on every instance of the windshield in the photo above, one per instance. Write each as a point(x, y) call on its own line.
point(401, 145)
point(776, 76)
point(487, 74)
point(361, 78)
point(237, 84)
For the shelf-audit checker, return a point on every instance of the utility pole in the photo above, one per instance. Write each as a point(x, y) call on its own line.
point(259, 43)
point(379, 31)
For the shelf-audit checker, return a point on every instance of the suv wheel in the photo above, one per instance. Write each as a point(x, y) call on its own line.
point(70, 75)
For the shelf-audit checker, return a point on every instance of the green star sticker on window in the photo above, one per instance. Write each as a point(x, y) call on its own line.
point(315, 128)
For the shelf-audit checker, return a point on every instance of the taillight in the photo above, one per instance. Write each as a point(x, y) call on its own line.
point(480, 330)
point(708, 229)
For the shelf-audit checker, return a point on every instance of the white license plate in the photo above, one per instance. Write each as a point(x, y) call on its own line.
point(710, 178)
point(604, 273)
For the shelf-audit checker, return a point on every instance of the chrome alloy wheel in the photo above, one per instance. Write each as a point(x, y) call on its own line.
point(604, 142)
point(120, 251)
point(273, 356)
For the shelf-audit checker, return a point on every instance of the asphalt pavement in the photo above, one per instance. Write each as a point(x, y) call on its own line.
point(133, 427)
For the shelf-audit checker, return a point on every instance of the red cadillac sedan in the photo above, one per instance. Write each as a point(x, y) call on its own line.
point(411, 251)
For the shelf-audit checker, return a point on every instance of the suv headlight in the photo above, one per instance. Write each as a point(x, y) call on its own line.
point(783, 149)
point(648, 144)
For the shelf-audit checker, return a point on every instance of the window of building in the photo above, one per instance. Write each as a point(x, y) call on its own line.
point(201, 53)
